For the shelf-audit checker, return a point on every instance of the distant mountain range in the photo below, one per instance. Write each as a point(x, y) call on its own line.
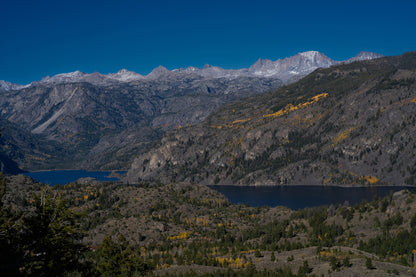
point(283, 69)
point(99, 121)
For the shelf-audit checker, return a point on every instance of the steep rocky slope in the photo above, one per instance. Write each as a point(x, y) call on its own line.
point(104, 120)
point(352, 124)
point(20, 149)
point(99, 122)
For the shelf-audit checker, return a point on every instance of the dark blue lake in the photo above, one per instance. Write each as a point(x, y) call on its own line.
point(60, 177)
point(299, 197)
point(294, 197)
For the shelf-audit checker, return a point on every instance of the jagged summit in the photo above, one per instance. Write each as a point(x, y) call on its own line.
point(5, 86)
point(260, 63)
point(298, 65)
point(123, 71)
point(64, 77)
point(317, 57)
point(158, 72)
point(125, 75)
point(287, 70)
point(364, 55)
point(310, 54)
point(189, 69)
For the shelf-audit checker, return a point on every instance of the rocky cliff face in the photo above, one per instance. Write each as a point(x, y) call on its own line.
point(351, 124)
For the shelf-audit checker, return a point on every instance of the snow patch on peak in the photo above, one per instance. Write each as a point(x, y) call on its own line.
point(6, 86)
point(64, 77)
point(309, 54)
point(123, 71)
point(298, 65)
point(75, 74)
point(125, 75)
point(188, 69)
point(284, 69)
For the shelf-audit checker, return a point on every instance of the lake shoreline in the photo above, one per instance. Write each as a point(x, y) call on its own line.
point(116, 174)
point(62, 177)
point(291, 196)
point(298, 197)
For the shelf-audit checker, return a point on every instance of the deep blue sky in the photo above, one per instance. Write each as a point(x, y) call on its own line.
point(40, 38)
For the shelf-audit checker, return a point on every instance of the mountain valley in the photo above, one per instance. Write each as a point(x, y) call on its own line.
point(350, 124)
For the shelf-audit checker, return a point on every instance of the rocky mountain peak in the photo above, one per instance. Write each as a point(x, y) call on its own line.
point(287, 70)
point(123, 71)
point(295, 66)
point(64, 77)
point(158, 72)
point(259, 64)
point(125, 75)
point(5, 86)
point(189, 69)
point(310, 54)
point(317, 59)
point(364, 55)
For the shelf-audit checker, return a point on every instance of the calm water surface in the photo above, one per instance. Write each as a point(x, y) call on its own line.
point(60, 177)
point(294, 197)
point(299, 197)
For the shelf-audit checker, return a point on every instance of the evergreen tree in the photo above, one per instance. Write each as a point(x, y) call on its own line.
point(52, 242)
point(369, 263)
point(118, 259)
point(304, 269)
point(346, 262)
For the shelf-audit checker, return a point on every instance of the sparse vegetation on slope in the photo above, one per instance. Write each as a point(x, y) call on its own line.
point(191, 230)
point(352, 124)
